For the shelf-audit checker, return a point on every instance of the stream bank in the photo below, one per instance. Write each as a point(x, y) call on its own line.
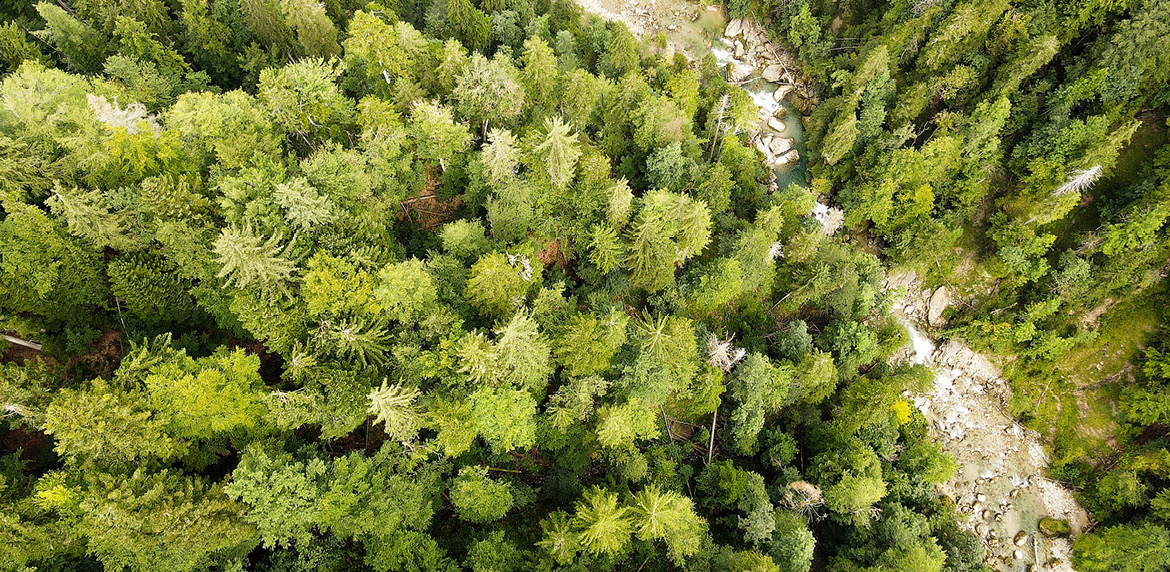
point(1001, 490)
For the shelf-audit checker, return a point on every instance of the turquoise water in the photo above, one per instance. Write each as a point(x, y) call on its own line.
point(761, 92)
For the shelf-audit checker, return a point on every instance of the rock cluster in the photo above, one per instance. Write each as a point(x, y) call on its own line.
point(749, 52)
point(753, 55)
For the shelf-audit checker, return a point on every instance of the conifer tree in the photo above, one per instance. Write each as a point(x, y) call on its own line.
point(393, 406)
point(501, 156)
point(248, 261)
point(602, 526)
point(556, 153)
point(315, 31)
point(82, 47)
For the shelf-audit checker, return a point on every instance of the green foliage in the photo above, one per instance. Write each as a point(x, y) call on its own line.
point(304, 98)
point(162, 521)
point(499, 282)
point(667, 516)
point(355, 495)
point(668, 230)
point(201, 398)
point(342, 223)
point(393, 406)
point(478, 498)
point(249, 261)
point(602, 526)
point(45, 271)
point(1127, 548)
point(406, 291)
point(106, 424)
point(854, 495)
point(588, 344)
point(82, 47)
point(505, 417)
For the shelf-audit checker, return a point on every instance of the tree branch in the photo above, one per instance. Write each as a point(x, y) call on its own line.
point(20, 342)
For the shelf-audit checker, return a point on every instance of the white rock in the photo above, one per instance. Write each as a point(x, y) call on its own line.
point(734, 28)
point(776, 125)
point(738, 49)
point(782, 91)
point(763, 147)
point(939, 302)
point(738, 72)
point(774, 73)
point(780, 145)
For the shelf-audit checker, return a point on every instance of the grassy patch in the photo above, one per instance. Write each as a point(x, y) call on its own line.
point(1074, 401)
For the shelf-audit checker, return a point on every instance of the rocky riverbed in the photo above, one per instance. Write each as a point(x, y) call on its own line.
point(1001, 489)
point(755, 64)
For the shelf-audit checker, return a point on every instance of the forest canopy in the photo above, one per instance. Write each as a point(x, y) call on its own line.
point(492, 286)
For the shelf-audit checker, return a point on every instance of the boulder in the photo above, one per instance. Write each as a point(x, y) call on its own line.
point(800, 102)
point(763, 115)
point(762, 145)
point(754, 33)
point(738, 50)
point(792, 156)
point(782, 91)
point(1054, 527)
point(780, 145)
point(1021, 538)
point(939, 301)
point(776, 125)
point(737, 72)
point(774, 73)
point(734, 28)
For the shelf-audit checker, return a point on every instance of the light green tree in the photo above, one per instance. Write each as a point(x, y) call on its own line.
point(602, 526)
point(249, 261)
point(304, 99)
point(489, 92)
point(501, 156)
point(587, 344)
point(406, 291)
point(156, 521)
point(499, 282)
point(478, 498)
point(107, 425)
point(505, 417)
point(670, 517)
point(439, 137)
point(540, 71)
point(523, 355)
point(315, 31)
point(82, 47)
point(554, 154)
point(394, 407)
